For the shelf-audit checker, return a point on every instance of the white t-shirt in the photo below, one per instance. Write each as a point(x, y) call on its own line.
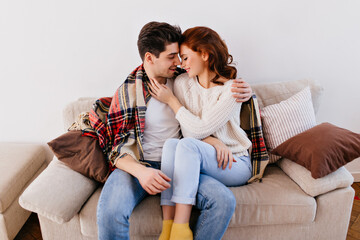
point(160, 124)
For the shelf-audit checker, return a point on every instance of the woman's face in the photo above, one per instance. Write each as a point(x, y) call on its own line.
point(192, 62)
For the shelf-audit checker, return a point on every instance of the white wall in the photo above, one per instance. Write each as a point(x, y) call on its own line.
point(52, 52)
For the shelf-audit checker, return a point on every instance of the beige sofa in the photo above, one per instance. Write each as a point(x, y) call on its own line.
point(287, 204)
point(20, 164)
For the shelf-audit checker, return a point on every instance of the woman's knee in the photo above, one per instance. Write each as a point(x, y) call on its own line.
point(187, 144)
point(170, 144)
point(168, 152)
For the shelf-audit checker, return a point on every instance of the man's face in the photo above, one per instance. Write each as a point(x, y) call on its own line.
point(165, 65)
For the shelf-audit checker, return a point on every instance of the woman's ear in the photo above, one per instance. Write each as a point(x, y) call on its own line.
point(148, 57)
point(205, 56)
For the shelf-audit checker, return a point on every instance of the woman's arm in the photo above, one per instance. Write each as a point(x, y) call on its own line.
point(198, 127)
point(211, 119)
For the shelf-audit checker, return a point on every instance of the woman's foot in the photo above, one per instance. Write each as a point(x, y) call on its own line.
point(166, 230)
point(181, 231)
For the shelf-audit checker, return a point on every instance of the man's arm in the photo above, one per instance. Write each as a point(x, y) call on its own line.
point(152, 180)
point(242, 90)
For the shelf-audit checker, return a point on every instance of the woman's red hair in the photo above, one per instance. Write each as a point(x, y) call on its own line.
point(204, 39)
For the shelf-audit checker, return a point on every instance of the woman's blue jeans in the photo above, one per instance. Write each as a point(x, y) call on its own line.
point(184, 159)
point(122, 193)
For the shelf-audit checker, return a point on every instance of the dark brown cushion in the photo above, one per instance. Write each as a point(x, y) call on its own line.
point(321, 149)
point(82, 154)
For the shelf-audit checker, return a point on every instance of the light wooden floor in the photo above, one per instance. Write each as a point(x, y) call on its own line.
point(31, 229)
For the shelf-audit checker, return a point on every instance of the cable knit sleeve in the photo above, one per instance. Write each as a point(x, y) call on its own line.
point(212, 119)
point(180, 88)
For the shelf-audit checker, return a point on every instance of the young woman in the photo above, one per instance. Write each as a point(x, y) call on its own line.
point(209, 116)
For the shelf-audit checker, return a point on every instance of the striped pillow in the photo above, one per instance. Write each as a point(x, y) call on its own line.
point(286, 119)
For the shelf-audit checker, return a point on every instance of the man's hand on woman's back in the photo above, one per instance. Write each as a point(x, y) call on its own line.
point(242, 90)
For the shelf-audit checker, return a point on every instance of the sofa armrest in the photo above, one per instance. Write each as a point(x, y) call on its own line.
point(341, 178)
point(58, 193)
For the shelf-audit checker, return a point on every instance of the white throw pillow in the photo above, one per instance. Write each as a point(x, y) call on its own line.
point(58, 193)
point(286, 119)
point(341, 178)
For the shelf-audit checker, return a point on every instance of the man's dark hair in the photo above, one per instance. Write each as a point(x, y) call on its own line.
point(154, 37)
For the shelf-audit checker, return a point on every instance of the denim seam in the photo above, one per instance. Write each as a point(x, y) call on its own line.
point(204, 216)
point(142, 196)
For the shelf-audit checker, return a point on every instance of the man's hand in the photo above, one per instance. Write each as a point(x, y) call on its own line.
point(242, 90)
point(153, 181)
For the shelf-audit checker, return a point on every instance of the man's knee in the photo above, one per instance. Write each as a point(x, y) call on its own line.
point(229, 202)
point(107, 214)
point(216, 195)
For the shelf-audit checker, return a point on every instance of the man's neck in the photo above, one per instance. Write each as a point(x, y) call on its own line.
point(151, 75)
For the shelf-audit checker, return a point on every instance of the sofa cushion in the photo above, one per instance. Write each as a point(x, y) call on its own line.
point(58, 193)
point(88, 215)
point(301, 176)
point(275, 92)
point(18, 164)
point(275, 200)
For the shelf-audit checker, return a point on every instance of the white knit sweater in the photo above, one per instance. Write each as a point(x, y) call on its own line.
point(210, 111)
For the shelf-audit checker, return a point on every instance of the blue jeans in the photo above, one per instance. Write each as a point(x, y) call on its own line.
point(122, 193)
point(184, 159)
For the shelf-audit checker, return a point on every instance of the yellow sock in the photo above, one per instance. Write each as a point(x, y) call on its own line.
point(166, 230)
point(181, 231)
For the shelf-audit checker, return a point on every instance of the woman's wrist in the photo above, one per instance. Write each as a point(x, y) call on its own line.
point(174, 104)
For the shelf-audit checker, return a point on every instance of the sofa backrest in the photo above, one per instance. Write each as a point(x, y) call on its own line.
point(267, 94)
point(275, 92)
point(73, 109)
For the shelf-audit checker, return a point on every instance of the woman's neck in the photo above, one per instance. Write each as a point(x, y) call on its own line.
point(205, 78)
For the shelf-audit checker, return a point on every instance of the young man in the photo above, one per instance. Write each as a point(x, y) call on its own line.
point(136, 128)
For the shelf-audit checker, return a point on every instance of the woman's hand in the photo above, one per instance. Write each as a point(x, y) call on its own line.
point(161, 92)
point(224, 154)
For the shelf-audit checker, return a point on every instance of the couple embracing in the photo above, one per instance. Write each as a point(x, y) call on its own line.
point(175, 132)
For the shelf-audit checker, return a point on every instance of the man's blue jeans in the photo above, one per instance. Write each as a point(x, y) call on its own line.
point(122, 193)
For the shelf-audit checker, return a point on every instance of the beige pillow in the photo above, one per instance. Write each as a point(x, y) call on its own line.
point(58, 193)
point(286, 119)
point(301, 176)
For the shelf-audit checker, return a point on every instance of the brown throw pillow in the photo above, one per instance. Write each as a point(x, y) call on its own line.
point(321, 149)
point(82, 154)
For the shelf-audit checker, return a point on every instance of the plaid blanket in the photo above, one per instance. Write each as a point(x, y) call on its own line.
point(250, 121)
point(119, 123)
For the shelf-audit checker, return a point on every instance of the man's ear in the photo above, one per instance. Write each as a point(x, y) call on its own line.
point(149, 57)
point(205, 56)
